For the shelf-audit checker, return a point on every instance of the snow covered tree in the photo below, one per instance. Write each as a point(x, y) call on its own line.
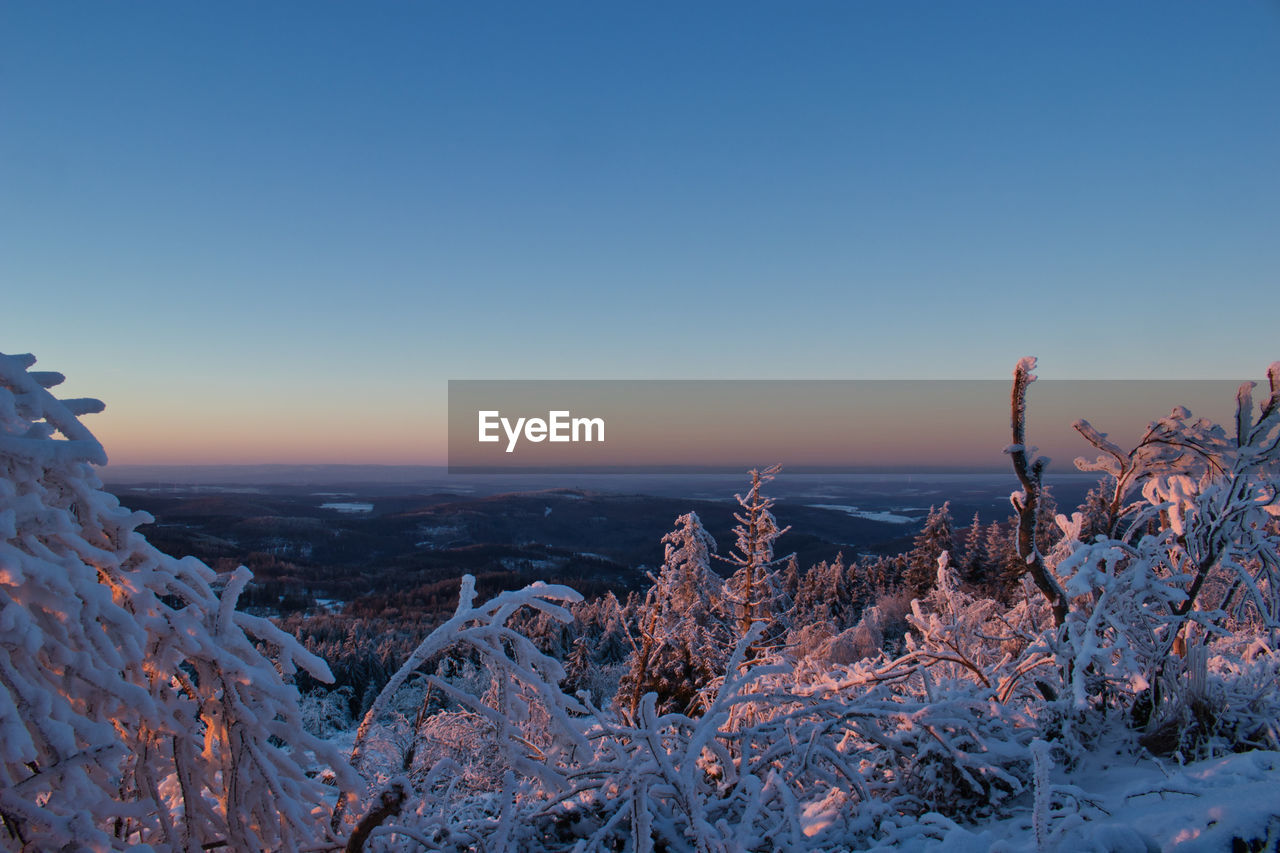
point(935, 538)
point(790, 578)
point(137, 705)
point(684, 634)
point(827, 594)
point(594, 662)
point(1008, 571)
point(754, 589)
point(1004, 566)
point(973, 566)
point(1096, 510)
point(1047, 531)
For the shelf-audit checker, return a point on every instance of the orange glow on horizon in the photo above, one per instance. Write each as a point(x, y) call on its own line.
point(227, 436)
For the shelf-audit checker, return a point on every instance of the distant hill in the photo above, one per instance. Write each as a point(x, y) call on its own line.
point(301, 549)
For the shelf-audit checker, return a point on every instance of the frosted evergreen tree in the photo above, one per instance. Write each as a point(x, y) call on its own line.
point(615, 638)
point(1047, 531)
point(754, 588)
point(684, 634)
point(578, 664)
point(1096, 510)
point(935, 538)
point(1003, 562)
point(791, 578)
point(1007, 570)
point(974, 565)
point(827, 594)
point(879, 576)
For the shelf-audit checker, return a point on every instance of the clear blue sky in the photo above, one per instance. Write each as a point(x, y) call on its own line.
point(241, 222)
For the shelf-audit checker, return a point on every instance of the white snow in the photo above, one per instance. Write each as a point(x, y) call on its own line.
point(1140, 807)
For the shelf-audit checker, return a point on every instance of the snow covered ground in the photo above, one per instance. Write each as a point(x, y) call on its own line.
point(1118, 806)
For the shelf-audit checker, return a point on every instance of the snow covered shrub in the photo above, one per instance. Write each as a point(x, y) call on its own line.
point(768, 764)
point(760, 769)
point(326, 712)
point(813, 640)
point(520, 726)
point(1112, 642)
point(1226, 701)
point(909, 745)
point(1185, 548)
point(958, 637)
point(959, 754)
point(944, 728)
point(818, 643)
point(1213, 497)
point(137, 704)
point(892, 609)
point(466, 740)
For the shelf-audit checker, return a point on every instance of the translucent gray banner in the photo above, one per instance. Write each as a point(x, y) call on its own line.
point(810, 426)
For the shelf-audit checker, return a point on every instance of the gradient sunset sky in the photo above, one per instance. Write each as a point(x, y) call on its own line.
point(272, 232)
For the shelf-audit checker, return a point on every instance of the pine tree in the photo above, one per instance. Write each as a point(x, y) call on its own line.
point(827, 594)
point(578, 664)
point(755, 591)
point(1004, 566)
point(1096, 509)
point(1007, 565)
point(614, 639)
point(1047, 531)
point(880, 576)
point(684, 635)
point(922, 562)
point(812, 600)
point(973, 568)
point(791, 578)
